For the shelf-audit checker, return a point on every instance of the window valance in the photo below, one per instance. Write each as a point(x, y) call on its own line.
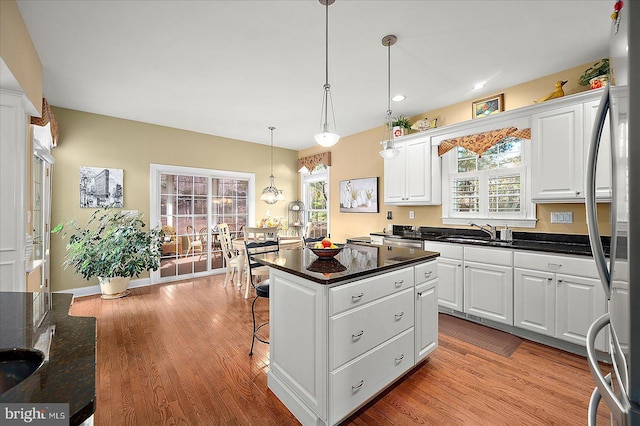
point(481, 142)
point(311, 162)
point(47, 118)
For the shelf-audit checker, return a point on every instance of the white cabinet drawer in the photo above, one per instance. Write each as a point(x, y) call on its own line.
point(452, 251)
point(572, 265)
point(355, 332)
point(426, 271)
point(362, 292)
point(356, 382)
point(491, 256)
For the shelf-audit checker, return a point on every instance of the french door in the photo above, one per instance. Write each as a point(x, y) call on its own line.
point(189, 204)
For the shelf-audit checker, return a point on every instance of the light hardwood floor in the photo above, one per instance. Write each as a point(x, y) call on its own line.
point(178, 354)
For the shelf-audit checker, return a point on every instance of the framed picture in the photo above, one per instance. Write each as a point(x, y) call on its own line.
point(359, 195)
point(487, 106)
point(100, 187)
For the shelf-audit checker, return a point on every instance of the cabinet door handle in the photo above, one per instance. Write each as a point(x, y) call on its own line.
point(398, 316)
point(459, 265)
point(549, 279)
point(428, 274)
point(578, 193)
point(357, 387)
point(357, 297)
point(466, 266)
point(560, 282)
point(401, 358)
point(357, 335)
point(399, 283)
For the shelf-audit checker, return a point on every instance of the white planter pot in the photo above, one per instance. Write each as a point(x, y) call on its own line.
point(114, 288)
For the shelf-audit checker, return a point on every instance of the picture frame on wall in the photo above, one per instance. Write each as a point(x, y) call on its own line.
point(101, 187)
point(487, 106)
point(359, 195)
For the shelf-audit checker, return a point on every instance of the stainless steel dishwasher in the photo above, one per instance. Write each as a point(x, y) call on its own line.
point(397, 241)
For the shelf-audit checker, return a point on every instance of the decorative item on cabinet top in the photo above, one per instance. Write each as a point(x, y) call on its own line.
point(487, 106)
point(596, 76)
point(558, 93)
point(424, 124)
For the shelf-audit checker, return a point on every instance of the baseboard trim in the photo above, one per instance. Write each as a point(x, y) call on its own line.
point(92, 290)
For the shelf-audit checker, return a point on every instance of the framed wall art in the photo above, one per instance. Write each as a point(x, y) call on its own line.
point(487, 106)
point(359, 195)
point(100, 187)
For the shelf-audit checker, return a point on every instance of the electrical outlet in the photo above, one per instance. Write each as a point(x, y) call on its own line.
point(412, 214)
point(561, 217)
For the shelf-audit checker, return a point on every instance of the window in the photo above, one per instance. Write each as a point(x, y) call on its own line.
point(189, 203)
point(492, 187)
point(315, 196)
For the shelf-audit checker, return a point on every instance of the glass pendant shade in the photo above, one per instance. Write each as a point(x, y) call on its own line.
point(271, 194)
point(390, 151)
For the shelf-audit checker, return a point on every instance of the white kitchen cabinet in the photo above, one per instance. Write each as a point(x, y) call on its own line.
point(560, 139)
point(558, 296)
point(488, 284)
point(426, 329)
point(413, 178)
point(450, 277)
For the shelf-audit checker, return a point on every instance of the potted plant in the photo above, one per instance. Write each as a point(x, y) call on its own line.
point(596, 76)
point(113, 246)
point(400, 126)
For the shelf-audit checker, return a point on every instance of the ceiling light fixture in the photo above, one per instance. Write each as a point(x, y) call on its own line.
point(326, 137)
point(389, 152)
point(271, 194)
point(478, 86)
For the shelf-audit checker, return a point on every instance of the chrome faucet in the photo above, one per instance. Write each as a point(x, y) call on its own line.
point(491, 230)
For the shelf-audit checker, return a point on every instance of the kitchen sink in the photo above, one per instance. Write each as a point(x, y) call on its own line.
point(16, 365)
point(473, 240)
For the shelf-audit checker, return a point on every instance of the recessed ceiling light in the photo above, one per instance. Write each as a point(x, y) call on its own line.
point(398, 98)
point(478, 86)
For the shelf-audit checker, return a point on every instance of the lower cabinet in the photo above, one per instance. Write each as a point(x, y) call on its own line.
point(334, 348)
point(450, 284)
point(558, 296)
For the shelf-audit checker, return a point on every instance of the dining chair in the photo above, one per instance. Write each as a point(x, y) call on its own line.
point(313, 239)
point(230, 255)
point(260, 234)
point(195, 241)
point(262, 288)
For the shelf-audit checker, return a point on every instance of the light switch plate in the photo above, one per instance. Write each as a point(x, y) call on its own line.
point(412, 214)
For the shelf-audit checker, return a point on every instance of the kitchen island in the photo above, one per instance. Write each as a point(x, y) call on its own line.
point(345, 328)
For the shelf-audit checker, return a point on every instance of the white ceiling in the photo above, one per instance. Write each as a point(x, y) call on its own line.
point(233, 68)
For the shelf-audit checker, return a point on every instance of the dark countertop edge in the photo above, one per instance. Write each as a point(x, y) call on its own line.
point(72, 352)
point(358, 275)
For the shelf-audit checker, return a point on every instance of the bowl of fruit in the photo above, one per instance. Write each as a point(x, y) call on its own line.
point(325, 249)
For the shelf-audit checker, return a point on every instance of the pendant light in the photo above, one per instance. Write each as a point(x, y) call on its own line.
point(271, 194)
point(390, 151)
point(327, 137)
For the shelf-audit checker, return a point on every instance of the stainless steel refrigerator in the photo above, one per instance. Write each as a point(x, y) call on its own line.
point(620, 272)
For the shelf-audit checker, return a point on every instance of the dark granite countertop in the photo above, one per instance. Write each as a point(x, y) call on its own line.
point(70, 372)
point(354, 261)
point(534, 241)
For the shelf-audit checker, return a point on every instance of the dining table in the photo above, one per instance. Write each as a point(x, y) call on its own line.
point(285, 243)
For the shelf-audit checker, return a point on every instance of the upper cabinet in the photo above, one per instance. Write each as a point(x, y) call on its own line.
point(560, 136)
point(413, 178)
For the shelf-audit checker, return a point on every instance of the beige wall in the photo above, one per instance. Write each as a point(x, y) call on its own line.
point(356, 156)
point(19, 54)
point(100, 141)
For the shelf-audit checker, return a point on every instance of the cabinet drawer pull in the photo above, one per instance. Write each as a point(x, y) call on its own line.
point(357, 336)
point(358, 386)
point(549, 279)
point(401, 358)
point(428, 274)
point(399, 283)
point(459, 265)
point(400, 315)
point(555, 265)
point(357, 297)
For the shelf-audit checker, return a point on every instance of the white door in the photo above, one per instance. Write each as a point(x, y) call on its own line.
point(418, 170)
point(450, 286)
point(488, 291)
point(535, 301)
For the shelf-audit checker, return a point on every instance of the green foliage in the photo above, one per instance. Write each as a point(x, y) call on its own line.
point(401, 121)
point(112, 244)
point(599, 68)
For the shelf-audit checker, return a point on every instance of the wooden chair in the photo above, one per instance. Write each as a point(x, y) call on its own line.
point(230, 255)
point(260, 234)
point(195, 242)
point(262, 289)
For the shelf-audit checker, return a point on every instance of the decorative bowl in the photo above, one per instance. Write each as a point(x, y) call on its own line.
point(326, 266)
point(326, 253)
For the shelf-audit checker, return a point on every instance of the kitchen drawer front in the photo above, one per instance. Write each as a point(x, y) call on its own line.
point(356, 382)
point(355, 332)
point(450, 250)
point(426, 272)
point(489, 255)
point(571, 265)
point(360, 293)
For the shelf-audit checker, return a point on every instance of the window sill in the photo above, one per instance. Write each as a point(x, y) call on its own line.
point(514, 223)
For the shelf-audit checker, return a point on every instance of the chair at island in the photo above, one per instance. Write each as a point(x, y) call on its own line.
point(255, 269)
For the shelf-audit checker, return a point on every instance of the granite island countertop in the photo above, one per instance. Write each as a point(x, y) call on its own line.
point(355, 261)
point(69, 374)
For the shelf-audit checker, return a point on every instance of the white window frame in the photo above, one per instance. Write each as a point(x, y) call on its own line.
point(526, 218)
point(156, 170)
point(305, 179)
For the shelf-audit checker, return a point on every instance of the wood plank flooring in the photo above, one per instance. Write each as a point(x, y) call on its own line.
point(178, 354)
